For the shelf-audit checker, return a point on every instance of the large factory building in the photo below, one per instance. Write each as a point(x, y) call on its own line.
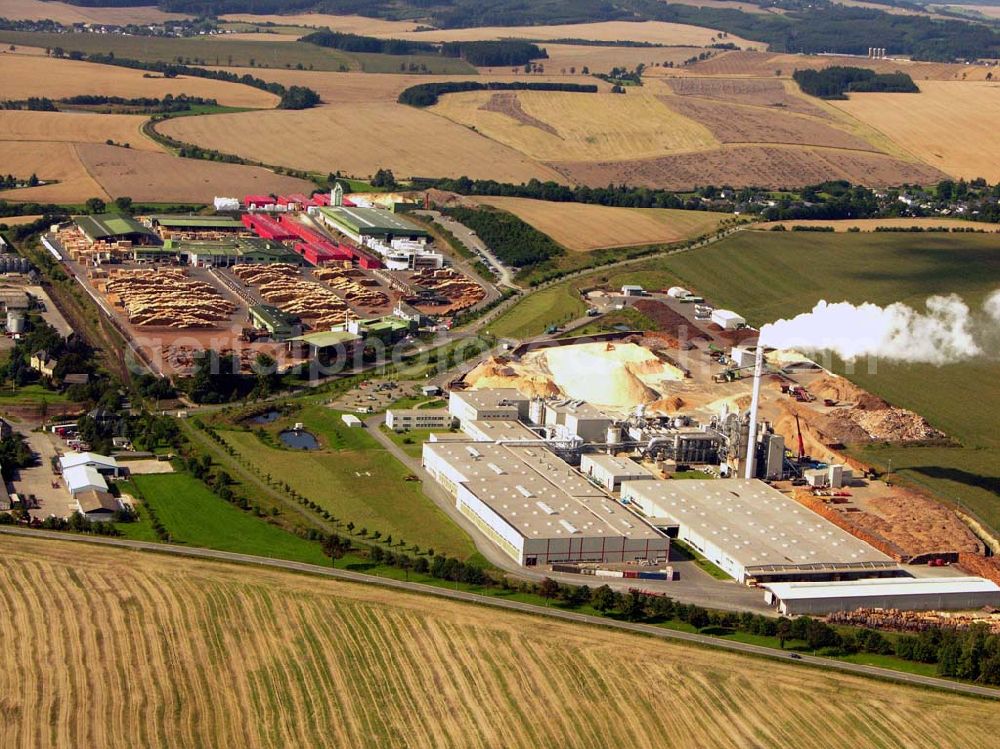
point(754, 532)
point(537, 508)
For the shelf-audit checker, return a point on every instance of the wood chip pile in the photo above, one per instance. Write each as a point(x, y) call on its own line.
point(283, 285)
point(449, 283)
point(354, 290)
point(167, 297)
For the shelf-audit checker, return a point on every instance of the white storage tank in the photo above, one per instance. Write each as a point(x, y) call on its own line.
point(678, 292)
point(15, 322)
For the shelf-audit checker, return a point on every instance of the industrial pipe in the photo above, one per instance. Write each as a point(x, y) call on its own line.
point(758, 371)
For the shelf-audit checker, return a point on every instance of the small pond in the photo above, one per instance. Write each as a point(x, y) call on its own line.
point(299, 440)
point(265, 418)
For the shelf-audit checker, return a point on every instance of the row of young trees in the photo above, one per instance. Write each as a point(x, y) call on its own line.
point(512, 240)
point(837, 81)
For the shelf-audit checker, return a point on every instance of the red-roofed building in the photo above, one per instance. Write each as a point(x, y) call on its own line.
point(258, 202)
point(266, 227)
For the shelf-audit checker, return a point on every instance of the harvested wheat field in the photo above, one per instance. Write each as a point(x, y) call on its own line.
point(39, 10)
point(161, 177)
point(948, 124)
point(50, 161)
point(778, 94)
point(358, 139)
point(765, 166)
point(581, 227)
point(577, 126)
point(871, 224)
point(18, 220)
point(657, 32)
point(734, 123)
point(74, 127)
point(565, 57)
point(157, 651)
point(771, 64)
point(346, 24)
point(26, 76)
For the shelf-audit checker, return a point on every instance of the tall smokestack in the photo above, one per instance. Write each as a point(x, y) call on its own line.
point(758, 372)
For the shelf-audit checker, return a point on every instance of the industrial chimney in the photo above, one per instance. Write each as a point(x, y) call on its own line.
point(758, 372)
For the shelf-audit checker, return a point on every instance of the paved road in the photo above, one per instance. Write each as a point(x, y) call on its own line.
point(473, 243)
point(501, 603)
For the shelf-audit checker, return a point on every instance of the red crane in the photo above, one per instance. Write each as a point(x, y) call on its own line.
point(802, 447)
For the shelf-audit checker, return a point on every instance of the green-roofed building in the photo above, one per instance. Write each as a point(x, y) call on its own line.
point(326, 346)
point(113, 227)
point(387, 329)
point(224, 224)
point(374, 223)
point(231, 252)
point(279, 324)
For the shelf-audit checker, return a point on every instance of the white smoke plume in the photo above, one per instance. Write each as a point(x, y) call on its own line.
point(946, 332)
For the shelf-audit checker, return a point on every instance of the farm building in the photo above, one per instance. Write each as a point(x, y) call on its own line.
point(84, 478)
point(99, 506)
point(404, 419)
point(536, 508)
point(112, 227)
point(754, 532)
point(489, 404)
point(14, 299)
point(609, 471)
point(279, 324)
point(727, 319)
point(103, 464)
point(370, 223)
point(908, 594)
point(632, 290)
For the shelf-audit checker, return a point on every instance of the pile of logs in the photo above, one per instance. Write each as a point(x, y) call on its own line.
point(452, 285)
point(353, 290)
point(283, 286)
point(167, 297)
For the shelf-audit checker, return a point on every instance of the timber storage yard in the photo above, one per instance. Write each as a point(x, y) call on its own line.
point(262, 276)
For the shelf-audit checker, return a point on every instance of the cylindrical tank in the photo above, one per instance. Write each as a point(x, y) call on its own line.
point(15, 322)
point(614, 434)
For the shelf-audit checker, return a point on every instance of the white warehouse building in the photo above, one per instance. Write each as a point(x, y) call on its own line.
point(755, 533)
point(609, 471)
point(727, 319)
point(922, 594)
point(505, 404)
point(537, 508)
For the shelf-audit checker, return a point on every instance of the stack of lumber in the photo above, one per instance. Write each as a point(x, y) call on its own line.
point(355, 291)
point(283, 286)
point(167, 297)
point(452, 285)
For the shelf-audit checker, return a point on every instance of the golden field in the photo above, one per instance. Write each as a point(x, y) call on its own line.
point(345, 24)
point(581, 227)
point(870, 224)
point(563, 57)
point(128, 649)
point(656, 32)
point(82, 127)
point(39, 10)
point(163, 177)
point(18, 220)
point(26, 76)
point(582, 127)
point(50, 161)
point(949, 124)
point(772, 64)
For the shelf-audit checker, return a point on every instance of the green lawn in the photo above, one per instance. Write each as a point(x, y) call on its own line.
point(30, 394)
point(194, 515)
point(356, 480)
point(412, 441)
point(555, 305)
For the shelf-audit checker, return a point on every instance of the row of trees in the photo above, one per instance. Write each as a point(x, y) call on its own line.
point(426, 94)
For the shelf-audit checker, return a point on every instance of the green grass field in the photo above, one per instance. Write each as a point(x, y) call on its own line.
point(194, 515)
point(218, 50)
point(555, 305)
point(353, 478)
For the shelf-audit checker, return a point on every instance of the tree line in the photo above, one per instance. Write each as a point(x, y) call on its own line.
point(838, 81)
point(507, 52)
point(427, 94)
point(116, 104)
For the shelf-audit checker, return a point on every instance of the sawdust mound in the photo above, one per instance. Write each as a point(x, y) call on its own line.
point(667, 405)
point(620, 375)
point(497, 372)
point(894, 425)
